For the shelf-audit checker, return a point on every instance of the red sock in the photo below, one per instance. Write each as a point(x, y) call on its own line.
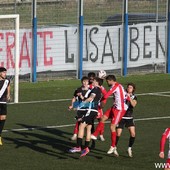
point(76, 128)
point(102, 130)
point(113, 139)
point(98, 128)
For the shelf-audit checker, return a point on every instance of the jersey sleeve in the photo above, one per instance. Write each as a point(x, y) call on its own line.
point(110, 92)
point(165, 135)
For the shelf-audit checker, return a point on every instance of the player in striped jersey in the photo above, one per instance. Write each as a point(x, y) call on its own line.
point(116, 112)
point(79, 96)
point(165, 135)
point(90, 106)
point(4, 97)
point(127, 119)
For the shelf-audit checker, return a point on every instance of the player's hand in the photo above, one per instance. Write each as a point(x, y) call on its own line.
point(102, 104)
point(70, 107)
point(161, 155)
point(8, 98)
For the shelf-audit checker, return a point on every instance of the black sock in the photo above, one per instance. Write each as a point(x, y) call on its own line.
point(117, 139)
point(93, 144)
point(79, 142)
point(92, 128)
point(131, 141)
point(2, 123)
point(87, 144)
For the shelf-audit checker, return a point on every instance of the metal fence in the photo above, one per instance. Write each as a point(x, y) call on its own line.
point(58, 34)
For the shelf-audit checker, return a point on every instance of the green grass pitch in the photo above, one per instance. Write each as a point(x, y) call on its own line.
point(31, 146)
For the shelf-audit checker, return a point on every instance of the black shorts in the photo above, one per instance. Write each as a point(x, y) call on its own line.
point(81, 113)
point(89, 117)
point(125, 123)
point(3, 109)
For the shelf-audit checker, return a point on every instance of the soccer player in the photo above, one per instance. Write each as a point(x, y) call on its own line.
point(127, 119)
point(4, 97)
point(116, 112)
point(91, 76)
point(90, 106)
point(79, 96)
point(165, 135)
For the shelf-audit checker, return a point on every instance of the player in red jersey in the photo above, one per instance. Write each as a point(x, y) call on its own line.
point(165, 135)
point(4, 97)
point(116, 112)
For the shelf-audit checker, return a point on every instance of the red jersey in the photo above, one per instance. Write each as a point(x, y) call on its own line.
point(165, 135)
point(120, 96)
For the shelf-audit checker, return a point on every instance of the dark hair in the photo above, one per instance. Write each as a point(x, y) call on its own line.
point(100, 81)
point(133, 85)
point(84, 78)
point(111, 77)
point(91, 74)
point(2, 69)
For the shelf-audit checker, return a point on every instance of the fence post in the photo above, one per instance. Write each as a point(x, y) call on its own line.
point(80, 40)
point(34, 41)
point(125, 37)
point(168, 40)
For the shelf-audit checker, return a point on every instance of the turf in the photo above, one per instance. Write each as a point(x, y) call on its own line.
point(46, 149)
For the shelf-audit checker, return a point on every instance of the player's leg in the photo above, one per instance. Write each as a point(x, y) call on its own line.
point(86, 150)
point(100, 114)
point(89, 120)
point(119, 129)
point(3, 112)
point(100, 125)
point(75, 132)
point(79, 139)
point(118, 134)
point(118, 114)
point(131, 139)
point(93, 144)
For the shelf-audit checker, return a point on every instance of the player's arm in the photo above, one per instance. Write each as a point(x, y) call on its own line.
point(133, 102)
point(8, 92)
point(72, 103)
point(91, 98)
point(162, 142)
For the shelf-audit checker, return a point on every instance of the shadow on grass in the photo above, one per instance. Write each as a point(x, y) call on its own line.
point(52, 142)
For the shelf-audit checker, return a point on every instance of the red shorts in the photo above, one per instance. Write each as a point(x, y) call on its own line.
point(115, 115)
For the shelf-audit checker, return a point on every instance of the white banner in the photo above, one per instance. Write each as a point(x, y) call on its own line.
point(58, 48)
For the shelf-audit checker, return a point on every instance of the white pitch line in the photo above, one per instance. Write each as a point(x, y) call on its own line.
point(62, 100)
point(71, 125)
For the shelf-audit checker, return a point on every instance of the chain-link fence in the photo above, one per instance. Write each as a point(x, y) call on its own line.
point(58, 34)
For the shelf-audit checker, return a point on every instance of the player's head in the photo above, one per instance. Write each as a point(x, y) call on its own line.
point(131, 88)
point(85, 80)
point(91, 76)
point(110, 79)
point(3, 72)
point(97, 81)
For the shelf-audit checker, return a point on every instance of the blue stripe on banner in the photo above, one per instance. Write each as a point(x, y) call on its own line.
point(168, 56)
point(34, 72)
point(81, 47)
point(125, 50)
